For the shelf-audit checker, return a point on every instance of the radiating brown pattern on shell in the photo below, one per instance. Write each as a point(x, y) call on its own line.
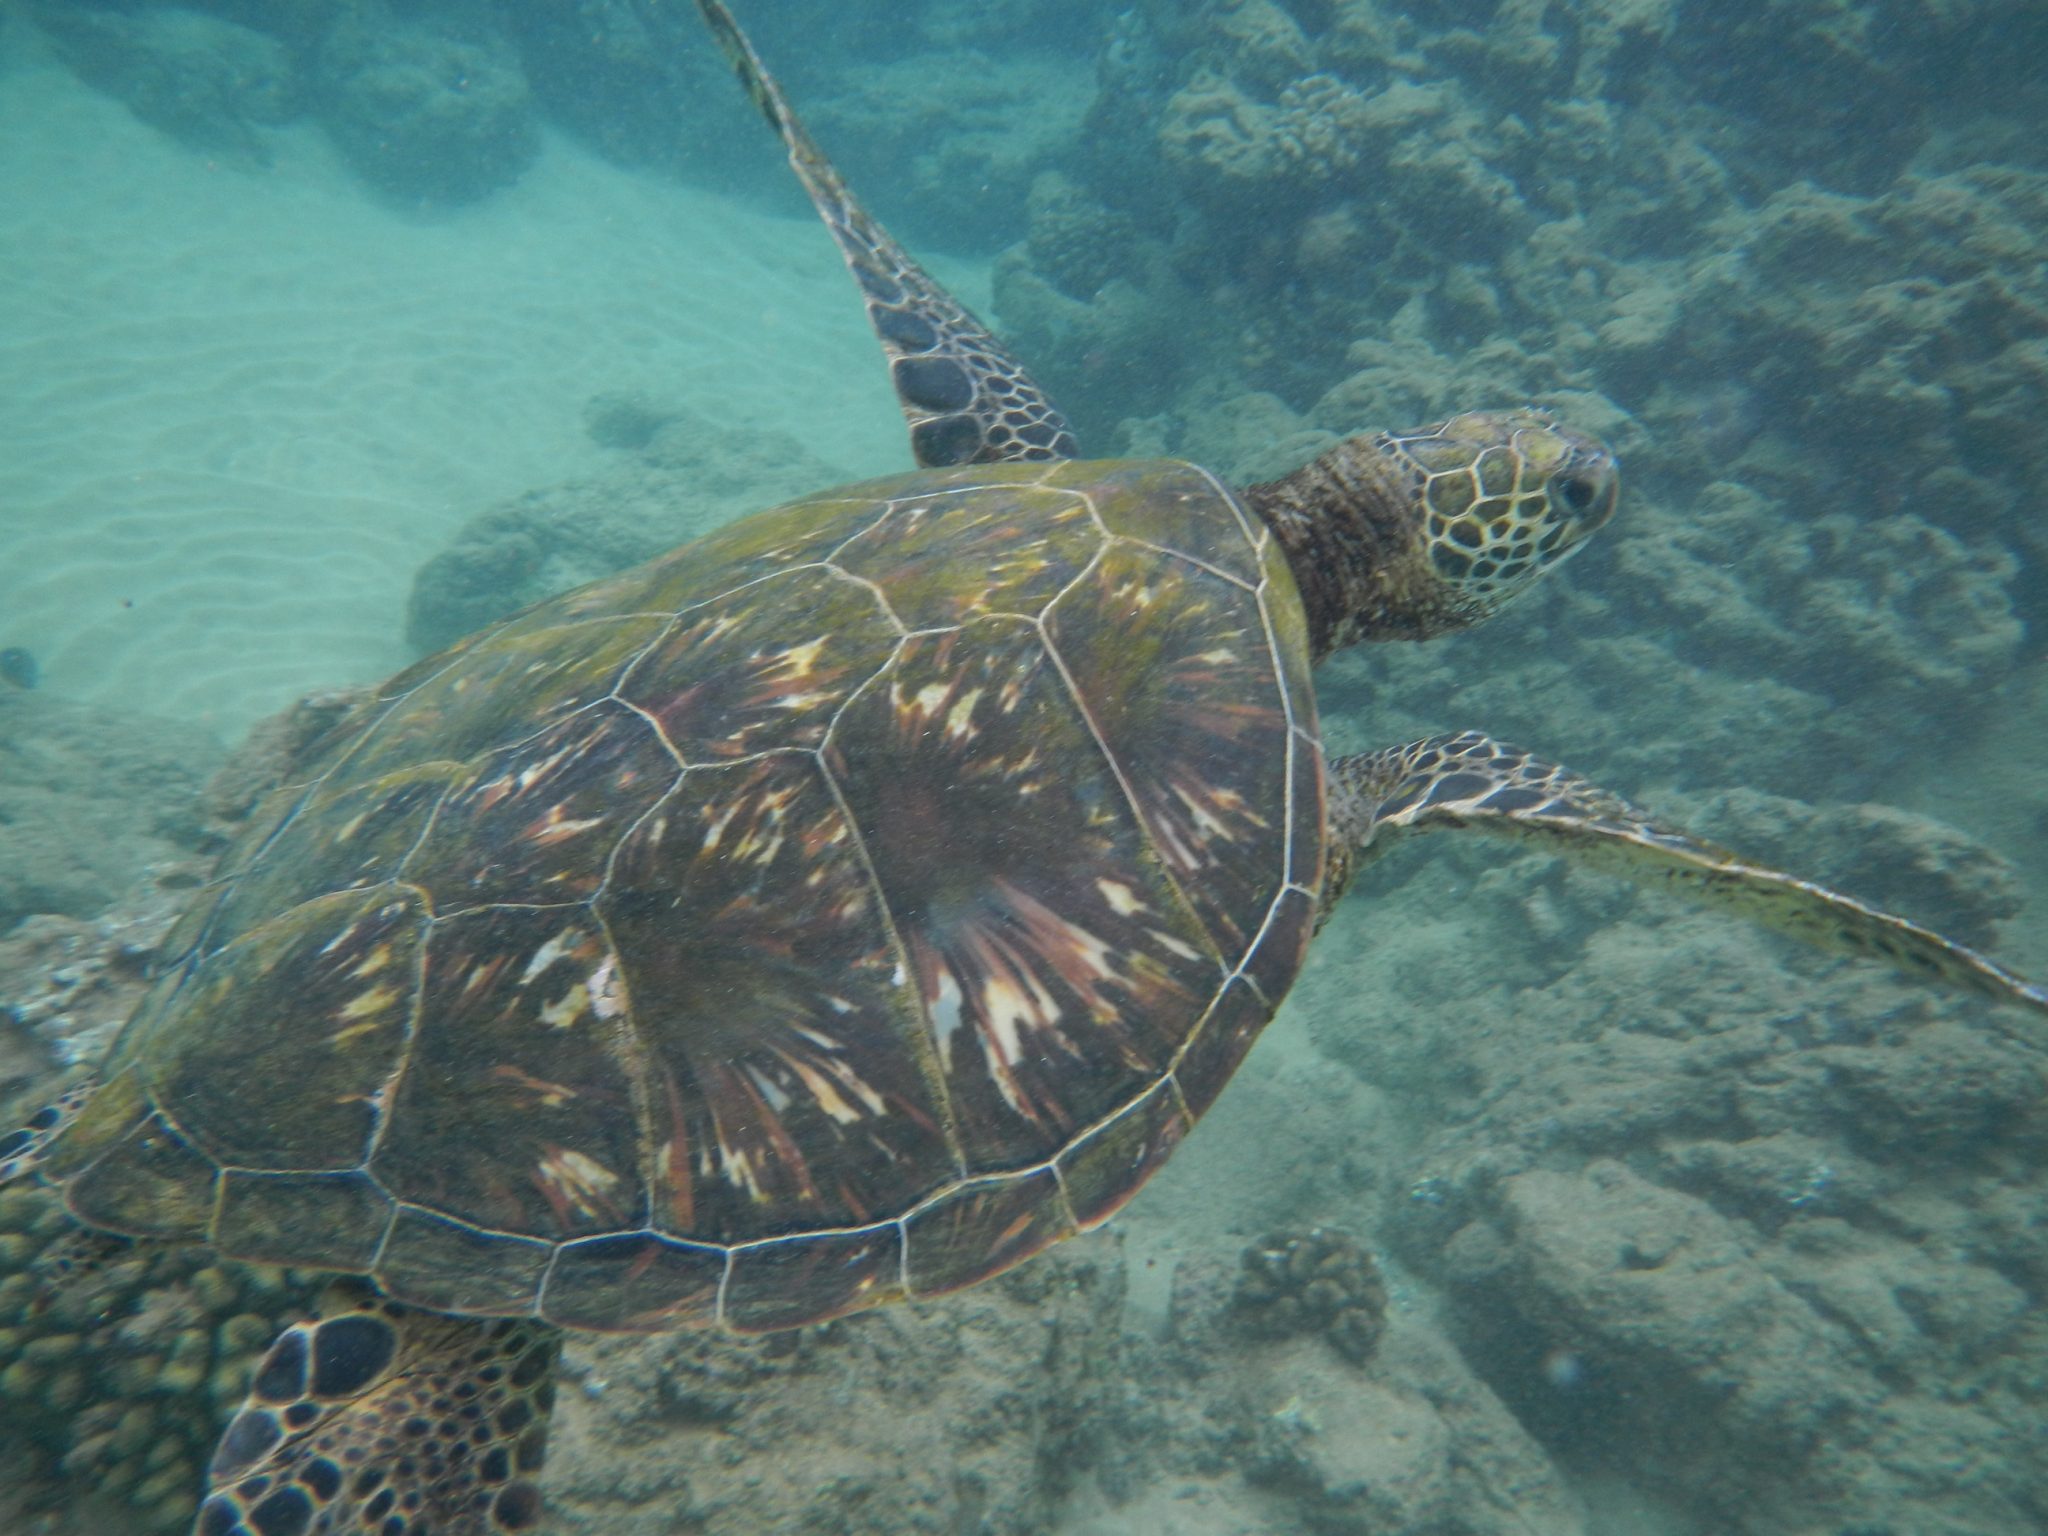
point(843, 907)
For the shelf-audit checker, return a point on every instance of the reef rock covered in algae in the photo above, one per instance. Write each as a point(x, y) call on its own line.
point(117, 1370)
point(1819, 352)
point(1757, 1236)
point(87, 802)
point(674, 479)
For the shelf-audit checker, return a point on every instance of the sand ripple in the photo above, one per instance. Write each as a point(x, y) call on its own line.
point(238, 408)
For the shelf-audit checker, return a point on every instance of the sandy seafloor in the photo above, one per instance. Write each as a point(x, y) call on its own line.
point(242, 406)
point(1681, 1231)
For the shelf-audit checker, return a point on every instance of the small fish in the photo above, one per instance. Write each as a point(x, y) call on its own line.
point(18, 666)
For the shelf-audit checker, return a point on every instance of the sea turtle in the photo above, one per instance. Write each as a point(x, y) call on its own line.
point(837, 910)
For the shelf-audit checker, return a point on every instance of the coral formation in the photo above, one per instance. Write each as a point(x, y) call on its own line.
point(1706, 1207)
point(87, 802)
point(682, 479)
point(1318, 1281)
point(117, 1374)
point(426, 115)
point(957, 137)
point(1076, 242)
point(972, 1413)
point(209, 82)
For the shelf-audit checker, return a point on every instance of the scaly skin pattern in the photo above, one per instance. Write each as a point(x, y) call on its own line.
point(374, 1418)
point(1471, 780)
point(965, 398)
point(1407, 535)
point(841, 908)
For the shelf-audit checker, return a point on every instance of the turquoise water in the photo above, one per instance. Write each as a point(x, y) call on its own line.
point(327, 335)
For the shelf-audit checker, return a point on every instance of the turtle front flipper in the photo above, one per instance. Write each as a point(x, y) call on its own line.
point(21, 1149)
point(968, 401)
point(379, 1417)
point(1471, 780)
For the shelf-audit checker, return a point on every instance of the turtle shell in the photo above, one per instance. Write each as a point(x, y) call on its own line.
point(837, 909)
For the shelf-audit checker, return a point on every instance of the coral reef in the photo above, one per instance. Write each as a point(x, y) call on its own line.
point(116, 1376)
point(967, 1414)
point(957, 136)
point(1729, 1223)
point(70, 984)
point(1217, 1428)
point(682, 479)
point(429, 114)
point(1318, 1281)
point(87, 802)
point(211, 83)
point(1030, 1405)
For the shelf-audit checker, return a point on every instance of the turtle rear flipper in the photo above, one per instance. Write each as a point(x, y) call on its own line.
point(376, 1412)
point(968, 401)
point(21, 1149)
point(1471, 780)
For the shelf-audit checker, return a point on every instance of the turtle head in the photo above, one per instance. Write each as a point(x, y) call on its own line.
point(1405, 535)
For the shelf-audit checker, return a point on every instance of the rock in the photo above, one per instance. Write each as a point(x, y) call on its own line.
point(957, 135)
point(961, 1415)
point(1905, 863)
point(689, 479)
point(1285, 1434)
point(89, 800)
point(207, 82)
point(427, 116)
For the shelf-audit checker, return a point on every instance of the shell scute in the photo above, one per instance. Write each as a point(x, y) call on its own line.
point(518, 1106)
point(349, 834)
point(115, 1109)
point(813, 1278)
point(535, 823)
point(452, 1266)
point(197, 924)
point(1055, 960)
point(798, 533)
point(1175, 506)
point(1106, 1166)
point(329, 1220)
point(790, 1082)
point(980, 1229)
point(512, 683)
point(1276, 958)
point(1220, 1043)
point(637, 1282)
point(1175, 668)
point(995, 544)
point(761, 667)
point(285, 1039)
point(152, 1183)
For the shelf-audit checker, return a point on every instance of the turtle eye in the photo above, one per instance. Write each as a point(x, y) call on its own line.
point(1577, 491)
